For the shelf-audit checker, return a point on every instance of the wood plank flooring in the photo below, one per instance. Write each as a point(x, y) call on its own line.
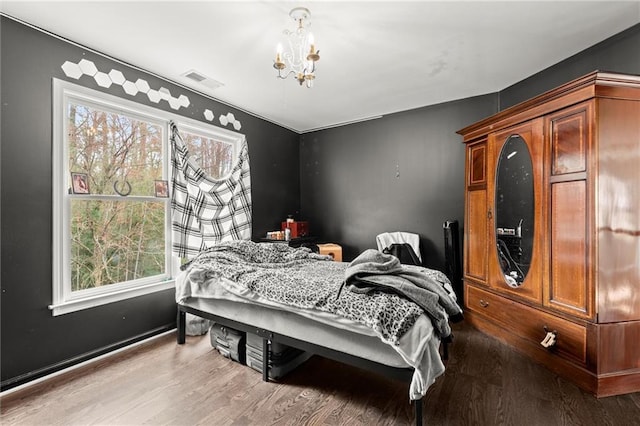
point(162, 383)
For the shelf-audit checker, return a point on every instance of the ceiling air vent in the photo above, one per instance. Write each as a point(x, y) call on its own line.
point(193, 75)
point(200, 78)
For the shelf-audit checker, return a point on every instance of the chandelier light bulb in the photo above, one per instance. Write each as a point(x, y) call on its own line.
point(278, 63)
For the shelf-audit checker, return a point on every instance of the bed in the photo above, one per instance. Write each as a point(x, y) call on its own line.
point(332, 309)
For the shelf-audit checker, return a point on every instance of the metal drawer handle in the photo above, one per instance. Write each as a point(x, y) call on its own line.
point(483, 303)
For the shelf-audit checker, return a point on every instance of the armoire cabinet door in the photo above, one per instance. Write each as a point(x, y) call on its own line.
point(475, 233)
point(529, 286)
point(570, 251)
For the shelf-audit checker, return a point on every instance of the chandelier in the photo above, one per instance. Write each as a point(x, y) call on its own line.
point(301, 57)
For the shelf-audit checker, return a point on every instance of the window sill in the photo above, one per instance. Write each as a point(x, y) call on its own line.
point(74, 305)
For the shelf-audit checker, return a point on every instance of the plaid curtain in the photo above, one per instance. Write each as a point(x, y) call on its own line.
point(205, 211)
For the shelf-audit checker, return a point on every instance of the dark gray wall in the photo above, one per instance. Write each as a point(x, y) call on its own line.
point(620, 53)
point(350, 191)
point(402, 172)
point(34, 342)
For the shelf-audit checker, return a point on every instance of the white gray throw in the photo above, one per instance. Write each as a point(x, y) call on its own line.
point(373, 271)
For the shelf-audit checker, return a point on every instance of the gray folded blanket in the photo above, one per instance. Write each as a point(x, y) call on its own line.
point(376, 271)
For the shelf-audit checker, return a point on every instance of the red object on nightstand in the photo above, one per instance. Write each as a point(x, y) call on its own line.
point(298, 229)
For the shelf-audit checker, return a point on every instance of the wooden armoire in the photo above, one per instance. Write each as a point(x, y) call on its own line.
point(552, 230)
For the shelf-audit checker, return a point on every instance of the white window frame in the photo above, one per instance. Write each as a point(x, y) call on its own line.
point(64, 300)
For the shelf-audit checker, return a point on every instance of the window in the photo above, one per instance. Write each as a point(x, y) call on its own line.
point(215, 154)
point(112, 235)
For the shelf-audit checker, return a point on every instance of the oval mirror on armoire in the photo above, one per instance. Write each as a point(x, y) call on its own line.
point(514, 210)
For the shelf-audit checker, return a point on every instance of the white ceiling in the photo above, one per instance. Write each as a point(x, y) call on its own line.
point(377, 57)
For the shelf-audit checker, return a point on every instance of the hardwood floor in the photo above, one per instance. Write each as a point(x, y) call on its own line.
point(162, 383)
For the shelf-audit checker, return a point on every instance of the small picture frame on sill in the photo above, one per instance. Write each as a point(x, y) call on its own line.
point(80, 183)
point(161, 188)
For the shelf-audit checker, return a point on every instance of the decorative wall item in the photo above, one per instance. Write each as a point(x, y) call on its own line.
point(132, 88)
point(102, 79)
point(230, 119)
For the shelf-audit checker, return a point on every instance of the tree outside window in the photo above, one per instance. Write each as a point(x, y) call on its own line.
point(214, 156)
point(114, 238)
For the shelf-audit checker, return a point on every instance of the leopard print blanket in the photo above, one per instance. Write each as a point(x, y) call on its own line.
point(302, 279)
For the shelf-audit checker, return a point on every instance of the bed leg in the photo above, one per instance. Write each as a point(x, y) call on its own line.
point(445, 351)
point(418, 404)
point(182, 326)
point(265, 359)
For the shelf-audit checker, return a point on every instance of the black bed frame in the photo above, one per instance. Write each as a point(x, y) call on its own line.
point(404, 374)
point(453, 271)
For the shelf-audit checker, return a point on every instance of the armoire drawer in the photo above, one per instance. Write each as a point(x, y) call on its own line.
point(530, 323)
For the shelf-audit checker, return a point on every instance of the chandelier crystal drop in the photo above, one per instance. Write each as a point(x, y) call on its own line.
point(301, 56)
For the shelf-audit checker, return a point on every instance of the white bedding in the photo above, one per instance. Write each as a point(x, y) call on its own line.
point(418, 348)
